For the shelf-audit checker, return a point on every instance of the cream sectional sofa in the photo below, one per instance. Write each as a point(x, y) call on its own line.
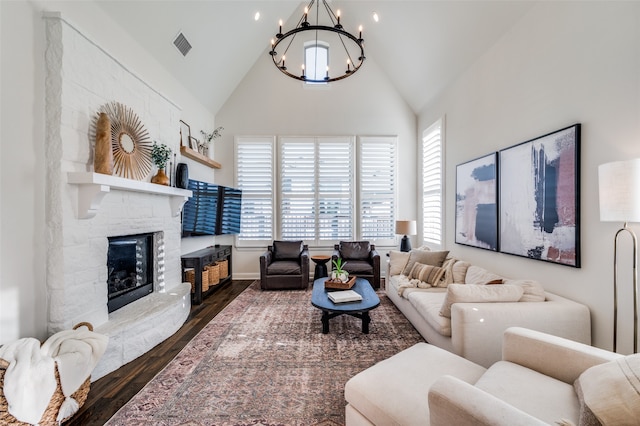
point(475, 328)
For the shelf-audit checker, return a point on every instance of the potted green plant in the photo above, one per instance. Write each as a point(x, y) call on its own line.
point(160, 155)
point(339, 274)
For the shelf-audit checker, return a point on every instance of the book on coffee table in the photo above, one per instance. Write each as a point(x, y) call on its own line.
point(344, 296)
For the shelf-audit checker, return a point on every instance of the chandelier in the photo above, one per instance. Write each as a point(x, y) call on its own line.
point(325, 47)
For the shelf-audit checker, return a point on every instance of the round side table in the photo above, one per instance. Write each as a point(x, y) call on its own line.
point(321, 266)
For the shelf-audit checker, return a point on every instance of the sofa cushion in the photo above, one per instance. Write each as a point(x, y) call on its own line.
point(287, 250)
point(355, 250)
point(610, 392)
point(435, 258)
point(284, 267)
point(460, 268)
point(478, 275)
point(541, 396)
point(461, 293)
point(533, 290)
point(397, 261)
point(428, 304)
point(359, 267)
point(394, 391)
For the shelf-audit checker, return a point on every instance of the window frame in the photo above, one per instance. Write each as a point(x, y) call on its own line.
point(439, 126)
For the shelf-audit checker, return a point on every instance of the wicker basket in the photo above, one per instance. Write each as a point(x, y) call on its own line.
point(51, 413)
point(214, 273)
point(191, 277)
point(224, 268)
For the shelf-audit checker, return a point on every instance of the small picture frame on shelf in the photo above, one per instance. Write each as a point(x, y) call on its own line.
point(193, 143)
point(185, 134)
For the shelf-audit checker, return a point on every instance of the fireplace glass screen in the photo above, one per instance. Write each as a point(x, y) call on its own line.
point(130, 269)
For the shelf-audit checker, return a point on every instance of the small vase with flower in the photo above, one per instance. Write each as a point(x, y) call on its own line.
point(160, 155)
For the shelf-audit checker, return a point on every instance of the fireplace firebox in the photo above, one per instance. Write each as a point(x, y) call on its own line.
point(130, 265)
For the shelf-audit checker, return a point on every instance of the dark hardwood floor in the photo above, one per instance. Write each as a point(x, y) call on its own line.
point(112, 391)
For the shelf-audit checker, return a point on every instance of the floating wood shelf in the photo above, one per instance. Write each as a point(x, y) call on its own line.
point(195, 155)
point(94, 186)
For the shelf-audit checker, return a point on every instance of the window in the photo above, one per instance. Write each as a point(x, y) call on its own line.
point(255, 173)
point(316, 185)
point(310, 192)
point(432, 184)
point(377, 189)
point(316, 60)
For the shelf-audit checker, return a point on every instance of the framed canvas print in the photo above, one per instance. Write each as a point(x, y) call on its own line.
point(477, 203)
point(539, 198)
point(185, 134)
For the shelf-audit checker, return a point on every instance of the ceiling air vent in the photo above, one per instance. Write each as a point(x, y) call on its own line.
point(182, 44)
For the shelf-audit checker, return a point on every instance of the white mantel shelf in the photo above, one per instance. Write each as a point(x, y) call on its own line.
point(94, 186)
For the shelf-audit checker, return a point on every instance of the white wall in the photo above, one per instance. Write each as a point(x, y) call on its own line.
point(268, 103)
point(23, 308)
point(564, 62)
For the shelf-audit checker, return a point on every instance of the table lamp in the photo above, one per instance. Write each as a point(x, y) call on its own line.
point(619, 187)
point(406, 227)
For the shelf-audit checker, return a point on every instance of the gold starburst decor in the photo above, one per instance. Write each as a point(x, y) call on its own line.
point(130, 142)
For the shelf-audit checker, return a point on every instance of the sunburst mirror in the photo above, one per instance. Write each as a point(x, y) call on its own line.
point(130, 142)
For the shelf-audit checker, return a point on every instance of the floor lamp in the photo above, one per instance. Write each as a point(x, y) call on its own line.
point(406, 227)
point(619, 187)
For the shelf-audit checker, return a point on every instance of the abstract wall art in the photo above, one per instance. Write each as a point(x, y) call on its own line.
point(477, 203)
point(540, 198)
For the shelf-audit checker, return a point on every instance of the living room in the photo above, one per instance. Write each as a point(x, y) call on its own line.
point(556, 64)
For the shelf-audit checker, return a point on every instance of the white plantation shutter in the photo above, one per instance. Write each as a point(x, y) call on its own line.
point(377, 188)
point(335, 182)
point(255, 173)
point(316, 187)
point(298, 186)
point(432, 184)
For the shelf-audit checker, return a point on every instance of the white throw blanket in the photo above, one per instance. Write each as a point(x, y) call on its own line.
point(29, 381)
point(76, 352)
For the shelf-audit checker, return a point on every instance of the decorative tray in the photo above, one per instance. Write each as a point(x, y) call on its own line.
point(339, 285)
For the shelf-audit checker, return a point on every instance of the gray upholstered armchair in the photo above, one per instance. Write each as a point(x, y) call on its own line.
point(285, 265)
point(362, 260)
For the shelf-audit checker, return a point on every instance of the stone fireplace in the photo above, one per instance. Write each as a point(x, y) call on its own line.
point(86, 210)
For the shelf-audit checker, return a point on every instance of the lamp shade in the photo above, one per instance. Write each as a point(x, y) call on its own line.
point(619, 187)
point(406, 227)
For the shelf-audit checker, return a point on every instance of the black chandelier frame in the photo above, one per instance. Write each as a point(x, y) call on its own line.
point(303, 26)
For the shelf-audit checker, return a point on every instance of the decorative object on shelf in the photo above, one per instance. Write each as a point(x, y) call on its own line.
point(160, 155)
point(406, 227)
point(103, 154)
point(182, 176)
point(339, 274)
point(194, 144)
point(477, 203)
point(130, 142)
point(210, 137)
point(325, 39)
point(619, 187)
point(185, 134)
point(539, 190)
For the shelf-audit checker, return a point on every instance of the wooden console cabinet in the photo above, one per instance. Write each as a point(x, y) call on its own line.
point(198, 260)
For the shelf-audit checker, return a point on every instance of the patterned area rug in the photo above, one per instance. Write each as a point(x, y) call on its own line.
point(263, 360)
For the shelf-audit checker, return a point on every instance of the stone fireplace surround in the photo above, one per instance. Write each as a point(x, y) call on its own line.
point(80, 78)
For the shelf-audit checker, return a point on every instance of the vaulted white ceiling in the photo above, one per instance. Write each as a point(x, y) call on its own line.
point(422, 45)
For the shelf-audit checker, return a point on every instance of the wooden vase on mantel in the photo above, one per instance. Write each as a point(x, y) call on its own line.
point(160, 178)
point(103, 154)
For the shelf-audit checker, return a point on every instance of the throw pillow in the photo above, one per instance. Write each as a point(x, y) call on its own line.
point(474, 293)
point(287, 250)
point(397, 261)
point(533, 290)
point(460, 268)
point(435, 258)
point(426, 273)
point(610, 392)
point(478, 275)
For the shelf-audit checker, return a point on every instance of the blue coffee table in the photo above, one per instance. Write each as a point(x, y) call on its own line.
point(370, 300)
